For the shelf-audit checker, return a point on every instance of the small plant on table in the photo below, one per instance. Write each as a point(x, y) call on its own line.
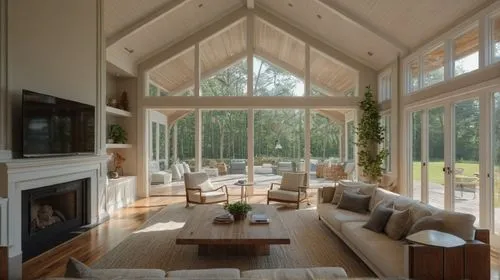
point(238, 209)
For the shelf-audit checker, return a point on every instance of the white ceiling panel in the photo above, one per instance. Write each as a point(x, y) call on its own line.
point(312, 16)
point(411, 22)
point(185, 20)
point(121, 13)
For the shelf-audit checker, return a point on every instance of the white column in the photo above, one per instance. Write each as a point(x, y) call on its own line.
point(174, 143)
point(250, 112)
point(4, 145)
point(197, 139)
point(307, 120)
point(143, 136)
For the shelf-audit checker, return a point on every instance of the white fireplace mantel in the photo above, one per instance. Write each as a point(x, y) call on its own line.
point(23, 174)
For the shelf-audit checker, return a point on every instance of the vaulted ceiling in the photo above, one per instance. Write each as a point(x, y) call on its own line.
point(373, 32)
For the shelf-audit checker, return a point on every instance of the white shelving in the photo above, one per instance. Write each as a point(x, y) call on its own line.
point(118, 146)
point(117, 112)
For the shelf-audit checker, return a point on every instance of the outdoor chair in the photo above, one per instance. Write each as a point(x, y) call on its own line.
point(237, 166)
point(466, 184)
point(199, 189)
point(292, 189)
point(284, 166)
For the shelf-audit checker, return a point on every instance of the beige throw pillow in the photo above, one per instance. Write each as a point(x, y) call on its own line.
point(327, 194)
point(398, 225)
point(427, 223)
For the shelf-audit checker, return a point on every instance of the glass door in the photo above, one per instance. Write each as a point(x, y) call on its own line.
point(416, 160)
point(465, 157)
point(435, 157)
point(496, 163)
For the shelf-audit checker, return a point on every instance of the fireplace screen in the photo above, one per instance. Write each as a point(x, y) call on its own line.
point(53, 209)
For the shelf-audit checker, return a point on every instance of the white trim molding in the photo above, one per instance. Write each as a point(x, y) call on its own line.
point(3, 222)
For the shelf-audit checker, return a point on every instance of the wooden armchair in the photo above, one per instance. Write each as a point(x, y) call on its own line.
point(199, 189)
point(292, 189)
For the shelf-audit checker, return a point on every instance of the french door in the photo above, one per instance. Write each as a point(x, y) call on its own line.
point(444, 155)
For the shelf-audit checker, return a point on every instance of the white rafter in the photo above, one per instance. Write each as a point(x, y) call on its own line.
point(365, 25)
point(144, 21)
point(169, 51)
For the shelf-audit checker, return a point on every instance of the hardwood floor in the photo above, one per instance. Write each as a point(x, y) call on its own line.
point(93, 244)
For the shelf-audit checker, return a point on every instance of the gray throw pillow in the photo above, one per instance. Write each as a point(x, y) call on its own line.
point(76, 269)
point(354, 202)
point(398, 225)
point(328, 193)
point(427, 223)
point(379, 218)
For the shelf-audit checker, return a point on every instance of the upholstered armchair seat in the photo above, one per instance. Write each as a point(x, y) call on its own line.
point(199, 189)
point(292, 189)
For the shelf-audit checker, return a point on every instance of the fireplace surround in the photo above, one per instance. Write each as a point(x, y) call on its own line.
point(53, 214)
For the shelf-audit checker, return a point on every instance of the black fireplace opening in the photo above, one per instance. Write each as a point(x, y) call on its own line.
point(53, 214)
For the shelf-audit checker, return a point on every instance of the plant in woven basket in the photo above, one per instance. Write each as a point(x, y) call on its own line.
point(238, 209)
point(118, 134)
point(370, 136)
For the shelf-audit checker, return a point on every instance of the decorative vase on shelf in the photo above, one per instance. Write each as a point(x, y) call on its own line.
point(124, 101)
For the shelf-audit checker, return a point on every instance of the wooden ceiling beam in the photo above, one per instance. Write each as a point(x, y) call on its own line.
point(353, 19)
point(335, 116)
point(167, 52)
point(144, 21)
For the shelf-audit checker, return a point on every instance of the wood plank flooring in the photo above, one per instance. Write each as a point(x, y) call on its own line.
point(92, 245)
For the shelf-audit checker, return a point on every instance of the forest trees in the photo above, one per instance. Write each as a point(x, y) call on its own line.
point(225, 131)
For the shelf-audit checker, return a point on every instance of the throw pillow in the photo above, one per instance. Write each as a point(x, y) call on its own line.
point(176, 174)
point(328, 193)
point(76, 269)
point(398, 225)
point(366, 189)
point(206, 186)
point(458, 224)
point(379, 218)
point(186, 168)
point(427, 223)
point(354, 202)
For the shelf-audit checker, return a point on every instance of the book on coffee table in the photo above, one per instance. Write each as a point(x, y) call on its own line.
point(259, 219)
point(224, 219)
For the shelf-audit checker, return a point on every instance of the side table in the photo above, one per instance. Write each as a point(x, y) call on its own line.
point(243, 187)
point(445, 258)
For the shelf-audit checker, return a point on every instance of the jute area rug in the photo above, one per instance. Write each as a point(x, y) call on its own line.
point(312, 245)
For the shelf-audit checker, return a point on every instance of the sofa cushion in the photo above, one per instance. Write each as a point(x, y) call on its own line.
point(378, 218)
point(327, 194)
point(214, 273)
point(459, 224)
point(76, 269)
point(386, 254)
point(363, 188)
point(354, 202)
point(382, 195)
point(209, 197)
point(426, 223)
point(398, 225)
point(295, 273)
point(336, 217)
point(285, 195)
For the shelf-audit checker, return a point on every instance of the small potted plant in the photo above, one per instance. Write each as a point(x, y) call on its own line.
point(238, 209)
point(118, 134)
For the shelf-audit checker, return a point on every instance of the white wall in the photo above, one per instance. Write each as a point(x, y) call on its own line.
point(53, 49)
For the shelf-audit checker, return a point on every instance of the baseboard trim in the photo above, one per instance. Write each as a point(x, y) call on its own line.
point(5, 155)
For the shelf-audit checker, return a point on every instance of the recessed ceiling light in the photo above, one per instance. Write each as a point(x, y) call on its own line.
point(290, 5)
point(319, 16)
point(200, 5)
point(370, 53)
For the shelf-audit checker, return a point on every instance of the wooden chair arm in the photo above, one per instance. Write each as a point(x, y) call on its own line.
point(223, 186)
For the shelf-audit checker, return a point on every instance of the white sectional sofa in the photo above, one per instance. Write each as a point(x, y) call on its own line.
point(385, 256)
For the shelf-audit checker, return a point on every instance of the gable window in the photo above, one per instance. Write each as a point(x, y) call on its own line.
point(495, 38)
point(384, 86)
point(433, 66)
point(466, 52)
point(413, 75)
point(153, 90)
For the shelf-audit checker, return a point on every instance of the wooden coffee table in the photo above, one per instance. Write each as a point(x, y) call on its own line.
point(238, 238)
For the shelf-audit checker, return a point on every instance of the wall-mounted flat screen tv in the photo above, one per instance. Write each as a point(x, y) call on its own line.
point(54, 126)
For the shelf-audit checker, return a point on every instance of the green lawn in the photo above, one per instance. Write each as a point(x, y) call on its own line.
point(436, 174)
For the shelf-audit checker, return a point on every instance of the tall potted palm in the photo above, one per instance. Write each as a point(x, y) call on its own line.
point(370, 135)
